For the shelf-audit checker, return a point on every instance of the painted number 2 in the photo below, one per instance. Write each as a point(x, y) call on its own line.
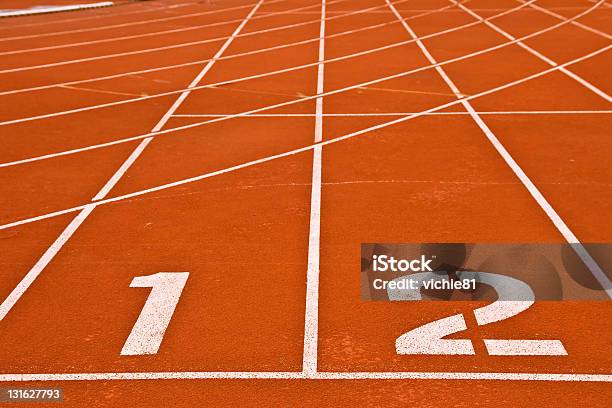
point(148, 331)
point(513, 297)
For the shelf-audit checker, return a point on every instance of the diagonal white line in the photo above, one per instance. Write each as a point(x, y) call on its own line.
point(569, 236)
point(131, 23)
point(167, 47)
point(311, 319)
point(288, 153)
point(526, 47)
point(48, 256)
point(231, 56)
point(190, 27)
point(576, 23)
point(366, 114)
point(285, 70)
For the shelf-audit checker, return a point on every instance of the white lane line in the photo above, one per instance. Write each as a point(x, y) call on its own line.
point(607, 5)
point(290, 375)
point(155, 33)
point(241, 54)
point(289, 153)
point(367, 114)
point(166, 47)
point(311, 315)
point(132, 23)
point(242, 114)
point(576, 23)
point(539, 55)
point(30, 277)
point(53, 9)
point(554, 217)
point(299, 67)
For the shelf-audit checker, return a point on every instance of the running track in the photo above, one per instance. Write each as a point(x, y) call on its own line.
point(255, 145)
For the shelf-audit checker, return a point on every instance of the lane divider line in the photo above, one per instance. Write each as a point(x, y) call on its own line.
point(311, 315)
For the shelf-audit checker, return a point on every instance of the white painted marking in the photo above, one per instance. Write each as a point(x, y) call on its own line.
point(601, 277)
point(31, 276)
point(148, 331)
point(525, 347)
point(237, 55)
point(163, 32)
point(513, 297)
point(539, 55)
point(576, 23)
point(375, 114)
point(302, 149)
point(299, 67)
point(242, 114)
point(130, 23)
point(53, 9)
point(154, 49)
point(428, 338)
point(284, 375)
point(311, 317)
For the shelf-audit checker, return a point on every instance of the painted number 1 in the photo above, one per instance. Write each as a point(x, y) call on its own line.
point(148, 331)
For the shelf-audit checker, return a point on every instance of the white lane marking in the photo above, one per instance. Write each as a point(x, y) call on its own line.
point(272, 73)
point(367, 114)
point(539, 55)
point(301, 149)
point(231, 56)
point(162, 48)
point(53, 9)
point(40, 265)
point(524, 347)
point(148, 331)
point(311, 315)
point(569, 236)
point(163, 32)
point(576, 23)
point(131, 23)
point(284, 375)
point(245, 113)
point(429, 338)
